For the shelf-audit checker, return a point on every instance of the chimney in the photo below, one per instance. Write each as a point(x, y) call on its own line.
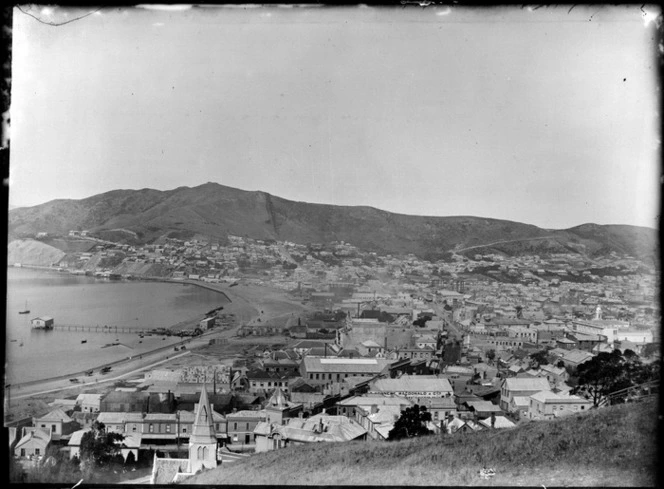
point(493, 420)
point(374, 409)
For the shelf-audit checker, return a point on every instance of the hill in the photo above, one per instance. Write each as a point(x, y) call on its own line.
point(215, 211)
point(614, 446)
point(31, 252)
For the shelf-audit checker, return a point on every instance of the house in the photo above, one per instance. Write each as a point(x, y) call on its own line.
point(33, 443)
point(515, 391)
point(84, 420)
point(555, 375)
point(439, 407)
point(482, 409)
point(319, 428)
point(241, 426)
point(263, 382)
point(74, 443)
point(377, 420)
point(549, 405)
point(348, 407)
point(413, 386)
point(574, 358)
point(89, 403)
point(57, 422)
point(458, 425)
point(202, 449)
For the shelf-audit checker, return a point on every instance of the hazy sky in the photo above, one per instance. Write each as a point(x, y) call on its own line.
point(542, 116)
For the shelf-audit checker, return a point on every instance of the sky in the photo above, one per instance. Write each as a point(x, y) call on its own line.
point(547, 116)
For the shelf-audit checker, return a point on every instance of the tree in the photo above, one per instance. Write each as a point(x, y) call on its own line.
point(490, 355)
point(411, 423)
point(541, 357)
point(607, 373)
point(98, 447)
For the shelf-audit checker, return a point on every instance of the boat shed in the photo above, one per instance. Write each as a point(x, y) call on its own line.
point(45, 322)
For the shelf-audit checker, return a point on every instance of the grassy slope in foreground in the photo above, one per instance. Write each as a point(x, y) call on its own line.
point(615, 446)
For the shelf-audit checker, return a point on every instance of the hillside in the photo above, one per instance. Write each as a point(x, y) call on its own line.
point(614, 446)
point(140, 216)
point(31, 252)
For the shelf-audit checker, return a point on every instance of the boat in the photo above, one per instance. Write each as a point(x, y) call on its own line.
point(84, 341)
point(26, 310)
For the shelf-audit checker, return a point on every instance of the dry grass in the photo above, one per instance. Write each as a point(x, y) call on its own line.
point(610, 447)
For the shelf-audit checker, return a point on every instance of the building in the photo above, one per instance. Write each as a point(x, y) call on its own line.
point(241, 426)
point(33, 443)
point(549, 405)
point(325, 371)
point(279, 409)
point(515, 392)
point(57, 423)
point(413, 387)
point(348, 407)
point(207, 323)
point(89, 403)
point(299, 431)
point(44, 322)
point(202, 449)
point(124, 402)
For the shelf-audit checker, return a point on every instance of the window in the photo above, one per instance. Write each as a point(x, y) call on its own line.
point(168, 428)
point(53, 428)
point(133, 428)
point(36, 451)
point(235, 426)
point(151, 429)
point(247, 426)
point(22, 452)
point(184, 430)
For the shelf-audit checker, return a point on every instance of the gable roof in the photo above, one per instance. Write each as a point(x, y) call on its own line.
point(55, 415)
point(500, 422)
point(165, 470)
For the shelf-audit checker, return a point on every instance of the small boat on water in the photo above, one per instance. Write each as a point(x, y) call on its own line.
point(84, 341)
point(26, 310)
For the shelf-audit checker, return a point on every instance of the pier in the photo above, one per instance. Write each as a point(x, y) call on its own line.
point(102, 329)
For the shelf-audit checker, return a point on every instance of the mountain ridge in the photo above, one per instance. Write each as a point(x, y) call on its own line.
point(215, 211)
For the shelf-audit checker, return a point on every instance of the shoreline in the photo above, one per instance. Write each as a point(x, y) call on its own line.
point(249, 303)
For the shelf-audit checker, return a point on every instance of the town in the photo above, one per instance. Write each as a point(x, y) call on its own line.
point(480, 341)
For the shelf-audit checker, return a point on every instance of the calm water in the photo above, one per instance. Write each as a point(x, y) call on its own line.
point(80, 300)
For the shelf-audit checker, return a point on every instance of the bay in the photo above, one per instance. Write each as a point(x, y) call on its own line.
point(87, 301)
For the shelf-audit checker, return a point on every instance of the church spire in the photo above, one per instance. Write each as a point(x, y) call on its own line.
point(203, 430)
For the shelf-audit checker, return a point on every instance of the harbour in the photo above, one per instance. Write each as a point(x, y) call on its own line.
point(138, 314)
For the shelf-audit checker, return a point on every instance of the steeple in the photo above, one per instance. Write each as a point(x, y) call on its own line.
point(203, 430)
point(203, 440)
point(278, 399)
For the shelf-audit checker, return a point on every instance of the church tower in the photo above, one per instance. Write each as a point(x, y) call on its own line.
point(203, 440)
